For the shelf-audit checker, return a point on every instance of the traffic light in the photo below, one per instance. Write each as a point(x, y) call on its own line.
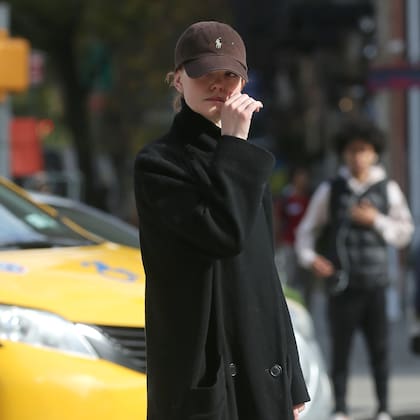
point(14, 63)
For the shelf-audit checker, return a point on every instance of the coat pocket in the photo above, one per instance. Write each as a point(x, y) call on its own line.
point(209, 402)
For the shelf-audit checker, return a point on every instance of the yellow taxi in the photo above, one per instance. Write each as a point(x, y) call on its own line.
point(72, 343)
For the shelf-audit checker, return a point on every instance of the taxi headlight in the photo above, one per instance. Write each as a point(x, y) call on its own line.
point(42, 329)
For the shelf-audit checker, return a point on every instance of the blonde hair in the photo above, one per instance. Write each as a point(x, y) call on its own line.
point(176, 102)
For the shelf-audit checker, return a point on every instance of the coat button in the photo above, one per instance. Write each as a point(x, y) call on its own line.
point(232, 368)
point(275, 370)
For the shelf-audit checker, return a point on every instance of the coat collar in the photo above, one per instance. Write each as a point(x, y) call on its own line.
point(189, 127)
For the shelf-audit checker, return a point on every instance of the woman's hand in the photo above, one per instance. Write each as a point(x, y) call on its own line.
point(237, 113)
point(298, 409)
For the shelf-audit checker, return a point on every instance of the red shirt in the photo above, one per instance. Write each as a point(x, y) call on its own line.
point(291, 208)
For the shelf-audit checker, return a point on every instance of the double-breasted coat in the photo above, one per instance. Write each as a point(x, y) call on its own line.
point(220, 344)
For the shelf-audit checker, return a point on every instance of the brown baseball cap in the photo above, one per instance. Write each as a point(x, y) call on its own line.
point(209, 46)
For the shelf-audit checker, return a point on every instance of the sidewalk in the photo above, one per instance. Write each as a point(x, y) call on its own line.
point(405, 371)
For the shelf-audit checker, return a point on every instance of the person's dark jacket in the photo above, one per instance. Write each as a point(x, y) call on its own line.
point(220, 344)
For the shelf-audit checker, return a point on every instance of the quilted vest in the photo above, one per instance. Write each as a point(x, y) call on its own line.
point(358, 250)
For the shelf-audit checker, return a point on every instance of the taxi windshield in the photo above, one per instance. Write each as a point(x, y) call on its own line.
point(24, 225)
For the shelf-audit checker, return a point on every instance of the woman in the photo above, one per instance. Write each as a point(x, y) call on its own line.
point(220, 344)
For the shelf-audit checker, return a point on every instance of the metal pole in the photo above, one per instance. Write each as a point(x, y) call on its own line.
point(5, 108)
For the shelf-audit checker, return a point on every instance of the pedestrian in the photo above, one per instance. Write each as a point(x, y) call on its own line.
point(220, 344)
point(361, 211)
point(290, 207)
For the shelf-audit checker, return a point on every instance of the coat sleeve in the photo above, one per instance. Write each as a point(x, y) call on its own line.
point(315, 217)
point(298, 387)
point(210, 206)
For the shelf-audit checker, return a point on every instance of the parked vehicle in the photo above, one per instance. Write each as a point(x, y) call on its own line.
point(313, 365)
point(72, 343)
point(101, 223)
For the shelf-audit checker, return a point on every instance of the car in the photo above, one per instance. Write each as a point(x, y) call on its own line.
point(72, 341)
point(311, 358)
point(312, 362)
point(100, 222)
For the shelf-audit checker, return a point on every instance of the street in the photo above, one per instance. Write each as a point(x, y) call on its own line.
point(405, 371)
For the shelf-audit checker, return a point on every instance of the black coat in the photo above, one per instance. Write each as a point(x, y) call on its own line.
point(220, 344)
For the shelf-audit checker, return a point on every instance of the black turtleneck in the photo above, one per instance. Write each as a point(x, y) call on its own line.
point(189, 124)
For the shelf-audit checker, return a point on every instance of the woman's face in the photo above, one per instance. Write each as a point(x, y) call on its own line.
point(207, 94)
point(359, 156)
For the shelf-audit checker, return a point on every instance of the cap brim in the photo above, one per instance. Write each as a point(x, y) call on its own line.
point(206, 64)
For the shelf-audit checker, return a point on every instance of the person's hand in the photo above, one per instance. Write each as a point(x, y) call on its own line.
point(322, 267)
point(364, 213)
point(237, 113)
point(298, 409)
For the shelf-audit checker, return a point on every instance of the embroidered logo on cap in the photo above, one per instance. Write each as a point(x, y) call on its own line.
point(218, 43)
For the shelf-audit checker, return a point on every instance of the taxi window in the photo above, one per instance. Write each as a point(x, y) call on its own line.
point(21, 220)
